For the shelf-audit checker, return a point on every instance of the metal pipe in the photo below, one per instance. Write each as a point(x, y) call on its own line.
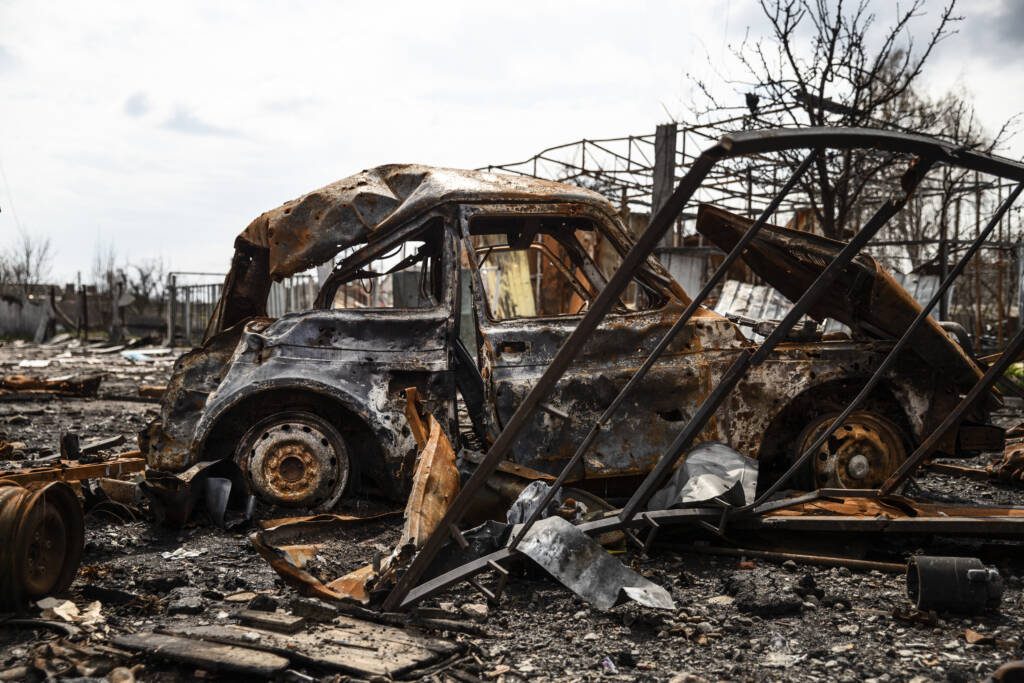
point(890, 358)
point(780, 556)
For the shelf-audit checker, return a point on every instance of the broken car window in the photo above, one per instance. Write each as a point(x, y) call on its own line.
point(406, 276)
point(545, 266)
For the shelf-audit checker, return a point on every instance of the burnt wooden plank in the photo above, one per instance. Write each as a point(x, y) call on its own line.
point(272, 621)
point(349, 646)
point(211, 656)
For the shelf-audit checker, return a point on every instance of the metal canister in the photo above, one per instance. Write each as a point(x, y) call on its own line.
point(953, 584)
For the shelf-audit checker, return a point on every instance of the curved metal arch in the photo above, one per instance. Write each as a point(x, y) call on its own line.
point(928, 152)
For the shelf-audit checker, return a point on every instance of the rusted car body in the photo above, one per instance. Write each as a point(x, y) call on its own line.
point(311, 404)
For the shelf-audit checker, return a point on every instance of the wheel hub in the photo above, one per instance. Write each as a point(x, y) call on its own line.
point(295, 461)
point(861, 453)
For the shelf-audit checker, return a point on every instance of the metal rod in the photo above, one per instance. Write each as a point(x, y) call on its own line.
point(981, 387)
point(663, 343)
point(655, 479)
point(890, 358)
point(781, 556)
point(567, 352)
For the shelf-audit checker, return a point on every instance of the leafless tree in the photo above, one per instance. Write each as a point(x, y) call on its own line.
point(851, 73)
point(27, 262)
point(104, 265)
point(145, 282)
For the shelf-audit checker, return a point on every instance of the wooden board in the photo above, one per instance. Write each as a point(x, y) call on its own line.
point(347, 645)
point(204, 655)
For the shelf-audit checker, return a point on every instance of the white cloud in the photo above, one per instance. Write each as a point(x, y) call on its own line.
point(136, 105)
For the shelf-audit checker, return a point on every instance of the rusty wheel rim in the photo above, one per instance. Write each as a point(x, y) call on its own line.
point(861, 453)
point(44, 534)
point(295, 460)
point(46, 537)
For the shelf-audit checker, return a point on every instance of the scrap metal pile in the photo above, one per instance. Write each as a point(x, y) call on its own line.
point(577, 435)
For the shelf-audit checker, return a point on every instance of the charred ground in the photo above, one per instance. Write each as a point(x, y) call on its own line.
point(736, 619)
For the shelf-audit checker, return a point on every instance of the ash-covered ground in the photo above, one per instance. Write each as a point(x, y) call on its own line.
point(736, 619)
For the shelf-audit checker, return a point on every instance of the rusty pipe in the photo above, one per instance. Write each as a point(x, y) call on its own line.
point(779, 556)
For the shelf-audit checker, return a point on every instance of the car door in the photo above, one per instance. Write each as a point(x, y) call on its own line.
point(534, 272)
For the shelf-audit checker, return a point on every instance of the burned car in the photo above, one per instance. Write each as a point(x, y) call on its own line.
point(464, 285)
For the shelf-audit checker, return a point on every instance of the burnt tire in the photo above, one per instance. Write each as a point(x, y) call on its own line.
point(295, 459)
point(862, 452)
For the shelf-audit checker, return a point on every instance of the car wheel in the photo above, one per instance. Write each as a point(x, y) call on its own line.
point(862, 453)
point(295, 459)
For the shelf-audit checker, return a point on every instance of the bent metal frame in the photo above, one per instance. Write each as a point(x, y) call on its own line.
point(924, 153)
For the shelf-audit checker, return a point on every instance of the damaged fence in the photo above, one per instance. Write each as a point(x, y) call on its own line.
point(825, 274)
point(191, 298)
point(947, 210)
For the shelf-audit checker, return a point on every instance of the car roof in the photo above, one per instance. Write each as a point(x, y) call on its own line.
point(311, 229)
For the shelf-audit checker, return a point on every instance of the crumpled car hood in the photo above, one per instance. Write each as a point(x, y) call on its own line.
point(864, 297)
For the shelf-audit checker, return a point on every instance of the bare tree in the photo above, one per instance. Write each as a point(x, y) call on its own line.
point(145, 282)
point(104, 265)
point(27, 262)
point(850, 74)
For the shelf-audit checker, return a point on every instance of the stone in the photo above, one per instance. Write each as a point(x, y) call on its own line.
point(477, 611)
point(191, 604)
point(263, 603)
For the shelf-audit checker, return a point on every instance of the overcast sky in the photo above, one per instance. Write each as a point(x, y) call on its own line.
point(164, 129)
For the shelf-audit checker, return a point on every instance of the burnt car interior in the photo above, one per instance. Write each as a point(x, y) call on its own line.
point(404, 275)
point(541, 266)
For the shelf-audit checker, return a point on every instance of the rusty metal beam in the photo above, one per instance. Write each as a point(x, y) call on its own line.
point(127, 463)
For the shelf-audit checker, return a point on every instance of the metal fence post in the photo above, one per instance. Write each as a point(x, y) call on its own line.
point(172, 287)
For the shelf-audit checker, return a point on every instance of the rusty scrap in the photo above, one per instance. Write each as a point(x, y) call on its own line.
point(435, 482)
point(42, 535)
point(152, 390)
point(13, 387)
point(1010, 468)
point(123, 464)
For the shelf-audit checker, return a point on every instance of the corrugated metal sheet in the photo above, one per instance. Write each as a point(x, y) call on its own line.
point(921, 287)
point(687, 266)
point(761, 302)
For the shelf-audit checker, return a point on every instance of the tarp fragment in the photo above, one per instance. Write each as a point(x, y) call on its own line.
point(711, 471)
